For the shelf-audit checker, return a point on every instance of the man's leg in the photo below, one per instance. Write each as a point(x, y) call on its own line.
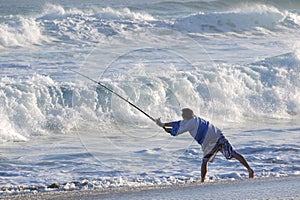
point(229, 153)
point(244, 162)
point(203, 169)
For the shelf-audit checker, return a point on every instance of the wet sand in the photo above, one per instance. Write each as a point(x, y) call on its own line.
point(260, 188)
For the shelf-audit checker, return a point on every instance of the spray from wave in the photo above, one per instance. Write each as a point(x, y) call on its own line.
point(21, 32)
point(39, 105)
point(95, 25)
point(254, 18)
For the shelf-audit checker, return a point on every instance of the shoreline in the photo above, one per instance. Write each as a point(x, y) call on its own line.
point(259, 188)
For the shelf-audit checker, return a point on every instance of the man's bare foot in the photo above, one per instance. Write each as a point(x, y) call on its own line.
point(251, 173)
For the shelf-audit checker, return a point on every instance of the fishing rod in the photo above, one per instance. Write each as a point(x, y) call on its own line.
point(110, 90)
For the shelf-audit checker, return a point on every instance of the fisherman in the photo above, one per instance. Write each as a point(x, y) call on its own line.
point(208, 136)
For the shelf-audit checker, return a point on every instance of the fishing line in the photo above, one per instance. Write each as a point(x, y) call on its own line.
point(118, 95)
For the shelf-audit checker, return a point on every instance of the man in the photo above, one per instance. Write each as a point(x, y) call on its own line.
point(208, 136)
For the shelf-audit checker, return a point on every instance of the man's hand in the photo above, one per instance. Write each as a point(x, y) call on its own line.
point(159, 123)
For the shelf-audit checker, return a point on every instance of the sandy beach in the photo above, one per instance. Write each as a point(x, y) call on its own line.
point(261, 188)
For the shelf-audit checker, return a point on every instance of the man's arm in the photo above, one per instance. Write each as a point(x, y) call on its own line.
point(169, 127)
point(166, 126)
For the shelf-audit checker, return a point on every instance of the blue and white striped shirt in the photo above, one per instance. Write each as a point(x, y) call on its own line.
point(201, 130)
point(196, 126)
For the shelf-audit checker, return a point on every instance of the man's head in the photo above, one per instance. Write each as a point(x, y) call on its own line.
point(187, 114)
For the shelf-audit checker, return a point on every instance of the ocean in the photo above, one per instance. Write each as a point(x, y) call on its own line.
point(235, 63)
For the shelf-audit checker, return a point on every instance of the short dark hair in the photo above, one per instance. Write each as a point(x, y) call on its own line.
point(187, 113)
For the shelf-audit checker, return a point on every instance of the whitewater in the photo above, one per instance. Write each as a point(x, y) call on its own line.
point(235, 63)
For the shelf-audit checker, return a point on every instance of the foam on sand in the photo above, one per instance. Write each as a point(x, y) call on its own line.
point(262, 188)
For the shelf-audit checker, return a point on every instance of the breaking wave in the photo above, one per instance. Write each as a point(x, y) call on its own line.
point(95, 25)
point(39, 105)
